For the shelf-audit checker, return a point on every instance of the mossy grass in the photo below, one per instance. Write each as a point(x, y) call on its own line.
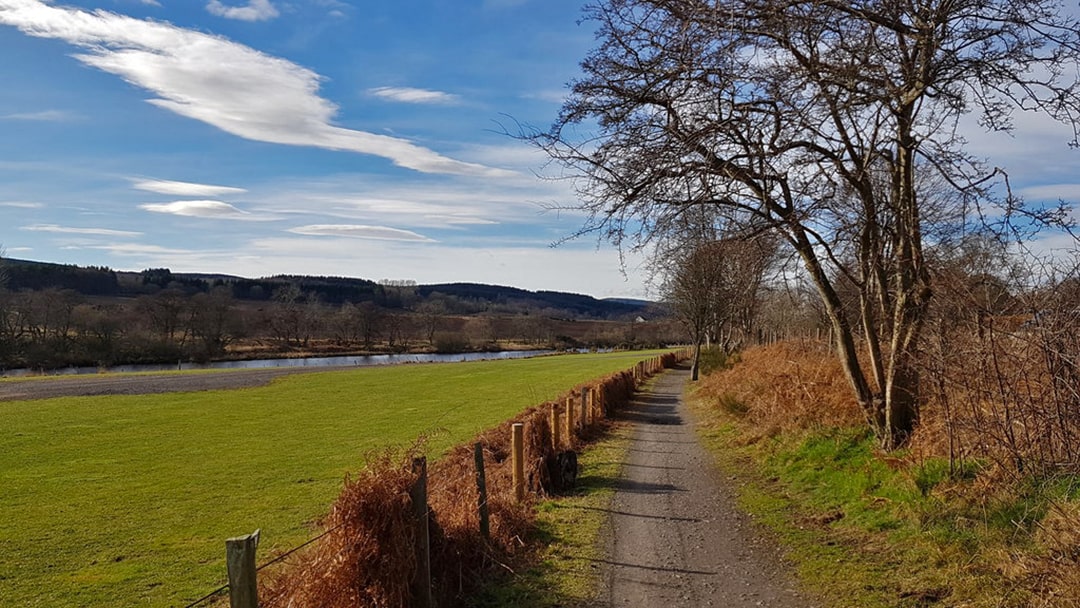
point(127, 500)
point(867, 529)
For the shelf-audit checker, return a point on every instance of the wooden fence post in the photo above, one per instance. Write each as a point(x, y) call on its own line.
point(570, 422)
point(556, 427)
point(517, 445)
point(240, 562)
point(586, 413)
point(421, 584)
point(481, 491)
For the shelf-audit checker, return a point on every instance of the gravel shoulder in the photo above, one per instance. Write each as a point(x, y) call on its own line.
point(676, 536)
point(23, 389)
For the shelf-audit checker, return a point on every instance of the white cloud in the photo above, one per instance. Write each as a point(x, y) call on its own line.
point(151, 3)
point(84, 231)
point(1053, 192)
point(204, 209)
point(220, 82)
point(163, 186)
point(21, 205)
point(357, 231)
point(411, 95)
point(42, 116)
point(255, 10)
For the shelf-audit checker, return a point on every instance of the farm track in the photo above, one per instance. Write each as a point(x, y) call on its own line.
point(677, 536)
point(25, 389)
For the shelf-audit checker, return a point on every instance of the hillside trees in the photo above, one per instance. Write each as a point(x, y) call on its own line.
point(816, 121)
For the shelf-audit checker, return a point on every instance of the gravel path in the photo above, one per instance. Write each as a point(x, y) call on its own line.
point(19, 389)
point(677, 538)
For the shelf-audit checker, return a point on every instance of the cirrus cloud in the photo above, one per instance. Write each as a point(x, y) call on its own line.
point(82, 231)
point(412, 95)
point(358, 231)
point(204, 209)
point(164, 186)
point(222, 83)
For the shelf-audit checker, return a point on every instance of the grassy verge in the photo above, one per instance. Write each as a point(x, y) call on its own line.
point(866, 529)
point(126, 500)
point(567, 568)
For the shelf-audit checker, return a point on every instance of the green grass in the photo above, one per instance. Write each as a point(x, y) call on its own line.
point(864, 533)
point(126, 500)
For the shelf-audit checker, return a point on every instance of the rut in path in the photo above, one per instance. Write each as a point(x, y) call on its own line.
point(676, 537)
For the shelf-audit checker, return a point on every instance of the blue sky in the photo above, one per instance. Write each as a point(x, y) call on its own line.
point(302, 136)
point(260, 137)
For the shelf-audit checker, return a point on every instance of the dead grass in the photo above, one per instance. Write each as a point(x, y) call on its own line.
point(783, 388)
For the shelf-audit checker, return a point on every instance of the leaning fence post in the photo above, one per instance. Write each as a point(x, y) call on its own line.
point(240, 562)
point(481, 490)
point(517, 444)
point(421, 584)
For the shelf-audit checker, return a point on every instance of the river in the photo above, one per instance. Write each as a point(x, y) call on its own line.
point(342, 361)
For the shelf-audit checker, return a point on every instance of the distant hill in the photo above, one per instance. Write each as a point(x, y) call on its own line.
point(575, 305)
point(455, 298)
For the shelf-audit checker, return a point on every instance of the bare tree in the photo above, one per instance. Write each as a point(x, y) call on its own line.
point(813, 119)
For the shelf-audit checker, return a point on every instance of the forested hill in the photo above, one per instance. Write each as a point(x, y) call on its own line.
point(579, 305)
point(459, 298)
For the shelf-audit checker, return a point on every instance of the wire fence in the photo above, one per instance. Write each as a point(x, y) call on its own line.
point(586, 415)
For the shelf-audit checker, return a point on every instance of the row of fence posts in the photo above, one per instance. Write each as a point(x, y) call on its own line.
point(580, 412)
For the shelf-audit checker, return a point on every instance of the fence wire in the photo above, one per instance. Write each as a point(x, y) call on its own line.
point(273, 561)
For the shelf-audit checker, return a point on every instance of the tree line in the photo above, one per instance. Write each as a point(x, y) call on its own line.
point(53, 327)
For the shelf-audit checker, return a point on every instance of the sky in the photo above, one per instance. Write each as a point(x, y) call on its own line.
point(324, 137)
point(320, 137)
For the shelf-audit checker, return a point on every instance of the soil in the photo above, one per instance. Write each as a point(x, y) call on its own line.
point(676, 536)
point(20, 389)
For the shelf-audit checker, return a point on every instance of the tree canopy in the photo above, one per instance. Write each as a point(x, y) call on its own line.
point(834, 125)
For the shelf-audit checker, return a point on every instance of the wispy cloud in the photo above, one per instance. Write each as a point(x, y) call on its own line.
point(220, 82)
point(412, 95)
point(357, 231)
point(1068, 192)
point(42, 116)
point(21, 205)
point(203, 209)
point(254, 10)
point(81, 231)
point(174, 188)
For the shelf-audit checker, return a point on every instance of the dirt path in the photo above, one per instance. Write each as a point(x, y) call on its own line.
point(677, 539)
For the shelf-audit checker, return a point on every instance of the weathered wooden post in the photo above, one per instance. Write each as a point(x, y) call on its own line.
point(586, 412)
point(517, 448)
point(481, 491)
point(240, 562)
point(570, 422)
point(556, 427)
point(421, 584)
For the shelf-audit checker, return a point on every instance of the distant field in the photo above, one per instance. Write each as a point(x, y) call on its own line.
point(127, 500)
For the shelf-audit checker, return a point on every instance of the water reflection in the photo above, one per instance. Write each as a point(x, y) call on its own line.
point(349, 361)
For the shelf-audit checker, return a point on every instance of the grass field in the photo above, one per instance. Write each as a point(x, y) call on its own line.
point(127, 500)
